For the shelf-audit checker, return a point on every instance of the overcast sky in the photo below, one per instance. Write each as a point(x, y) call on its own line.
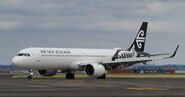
point(91, 24)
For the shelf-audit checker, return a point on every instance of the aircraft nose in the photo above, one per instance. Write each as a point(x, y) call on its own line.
point(16, 61)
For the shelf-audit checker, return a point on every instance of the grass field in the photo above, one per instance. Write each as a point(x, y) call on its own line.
point(112, 76)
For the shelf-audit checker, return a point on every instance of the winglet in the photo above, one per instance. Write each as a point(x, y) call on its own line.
point(173, 55)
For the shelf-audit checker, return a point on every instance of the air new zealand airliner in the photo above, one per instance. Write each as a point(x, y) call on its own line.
point(94, 62)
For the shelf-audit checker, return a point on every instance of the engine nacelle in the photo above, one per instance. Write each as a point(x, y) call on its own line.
point(96, 70)
point(47, 72)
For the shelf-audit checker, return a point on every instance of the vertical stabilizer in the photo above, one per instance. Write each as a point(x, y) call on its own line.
point(139, 43)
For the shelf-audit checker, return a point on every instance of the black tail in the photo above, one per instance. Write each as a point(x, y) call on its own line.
point(139, 43)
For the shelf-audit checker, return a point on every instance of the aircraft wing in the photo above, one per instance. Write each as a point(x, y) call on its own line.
point(139, 59)
point(162, 54)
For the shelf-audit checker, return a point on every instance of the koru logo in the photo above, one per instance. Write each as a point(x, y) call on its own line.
point(121, 54)
point(140, 39)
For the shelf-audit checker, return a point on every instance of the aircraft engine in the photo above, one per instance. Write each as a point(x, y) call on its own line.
point(96, 70)
point(47, 72)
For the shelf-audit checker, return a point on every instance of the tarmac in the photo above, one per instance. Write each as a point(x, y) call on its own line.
point(111, 87)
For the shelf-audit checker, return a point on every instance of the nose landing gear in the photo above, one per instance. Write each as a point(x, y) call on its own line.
point(31, 74)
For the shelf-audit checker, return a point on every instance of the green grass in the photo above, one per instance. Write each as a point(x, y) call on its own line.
point(147, 76)
point(56, 76)
point(111, 76)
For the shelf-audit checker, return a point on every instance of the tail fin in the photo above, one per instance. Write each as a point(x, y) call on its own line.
point(139, 43)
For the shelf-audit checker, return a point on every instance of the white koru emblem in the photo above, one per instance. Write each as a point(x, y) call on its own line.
point(140, 39)
point(121, 54)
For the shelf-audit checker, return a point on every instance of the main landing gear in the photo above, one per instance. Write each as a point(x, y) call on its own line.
point(102, 77)
point(31, 74)
point(70, 75)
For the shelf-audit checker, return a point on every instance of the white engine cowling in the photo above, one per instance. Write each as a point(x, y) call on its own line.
point(96, 70)
point(47, 72)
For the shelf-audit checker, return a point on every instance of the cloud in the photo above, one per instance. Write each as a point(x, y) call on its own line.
point(85, 22)
point(119, 15)
point(159, 8)
point(9, 25)
point(50, 25)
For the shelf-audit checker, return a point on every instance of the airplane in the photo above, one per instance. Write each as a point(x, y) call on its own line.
point(94, 62)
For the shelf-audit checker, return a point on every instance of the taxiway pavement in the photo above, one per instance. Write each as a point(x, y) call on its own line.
point(129, 87)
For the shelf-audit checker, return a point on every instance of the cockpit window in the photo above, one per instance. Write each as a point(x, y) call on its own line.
point(28, 55)
point(24, 54)
point(21, 54)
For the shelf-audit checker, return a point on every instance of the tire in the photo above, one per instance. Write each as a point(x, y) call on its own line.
point(102, 77)
point(29, 77)
point(70, 76)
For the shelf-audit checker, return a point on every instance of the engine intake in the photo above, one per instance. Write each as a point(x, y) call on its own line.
point(96, 70)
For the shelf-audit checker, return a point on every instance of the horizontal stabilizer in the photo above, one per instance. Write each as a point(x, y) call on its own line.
point(139, 59)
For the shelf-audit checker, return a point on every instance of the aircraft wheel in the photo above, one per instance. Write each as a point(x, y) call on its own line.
point(102, 77)
point(29, 77)
point(70, 76)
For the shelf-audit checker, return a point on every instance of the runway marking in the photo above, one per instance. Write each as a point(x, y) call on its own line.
point(157, 89)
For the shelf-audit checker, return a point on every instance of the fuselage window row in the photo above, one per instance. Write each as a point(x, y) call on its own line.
point(73, 55)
